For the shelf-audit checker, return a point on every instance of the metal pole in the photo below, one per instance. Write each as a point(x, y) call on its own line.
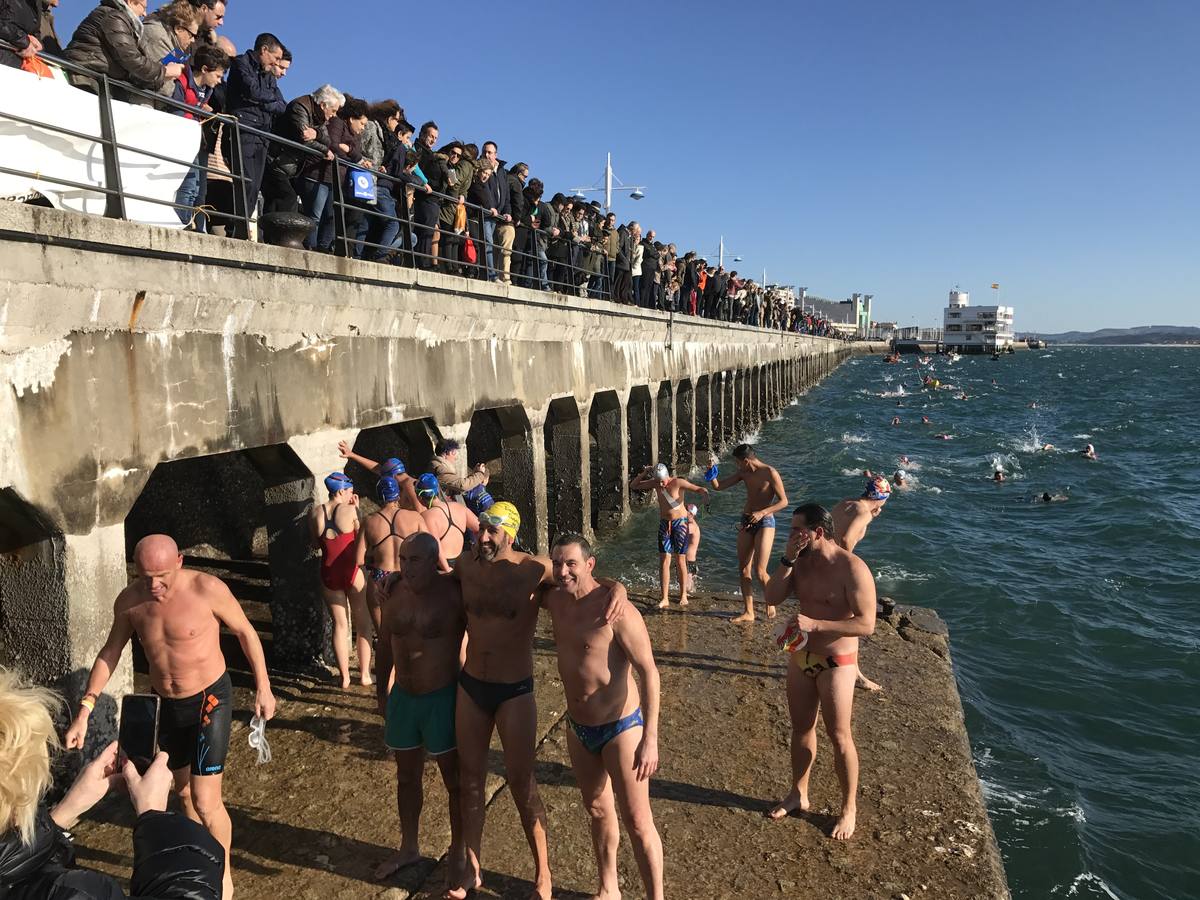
point(721, 252)
point(608, 183)
point(114, 203)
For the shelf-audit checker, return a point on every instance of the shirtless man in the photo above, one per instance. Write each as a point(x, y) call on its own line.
point(391, 466)
point(850, 521)
point(672, 526)
point(379, 541)
point(177, 615)
point(446, 521)
point(343, 587)
point(421, 634)
point(837, 606)
point(501, 590)
point(613, 740)
point(765, 496)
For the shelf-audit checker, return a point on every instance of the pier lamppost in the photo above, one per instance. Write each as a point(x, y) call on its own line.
point(636, 192)
point(720, 254)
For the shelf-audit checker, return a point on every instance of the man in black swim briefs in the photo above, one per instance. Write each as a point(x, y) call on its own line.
point(501, 588)
point(613, 739)
point(177, 614)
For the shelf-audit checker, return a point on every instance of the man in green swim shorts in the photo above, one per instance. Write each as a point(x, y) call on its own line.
point(421, 632)
point(613, 738)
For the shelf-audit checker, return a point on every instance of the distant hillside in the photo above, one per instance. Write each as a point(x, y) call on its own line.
point(1143, 334)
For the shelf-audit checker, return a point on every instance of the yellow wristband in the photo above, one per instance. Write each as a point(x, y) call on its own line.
point(88, 703)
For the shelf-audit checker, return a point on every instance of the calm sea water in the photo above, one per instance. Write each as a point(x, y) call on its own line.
point(1074, 625)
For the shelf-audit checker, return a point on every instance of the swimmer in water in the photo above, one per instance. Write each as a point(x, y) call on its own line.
point(895, 420)
point(900, 479)
point(1047, 497)
point(905, 461)
point(1088, 452)
point(1046, 448)
point(925, 420)
point(999, 476)
point(944, 437)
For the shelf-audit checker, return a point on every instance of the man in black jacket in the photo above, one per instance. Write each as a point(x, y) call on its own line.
point(253, 96)
point(519, 207)
point(623, 280)
point(19, 23)
point(427, 206)
point(498, 231)
point(650, 252)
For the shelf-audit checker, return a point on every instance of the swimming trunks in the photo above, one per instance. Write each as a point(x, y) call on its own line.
point(378, 575)
point(337, 556)
point(421, 720)
point(596, 737)
point(673, 535)
point(195, 730)
point(813, 664)
point(764, 522)
point(489, 696)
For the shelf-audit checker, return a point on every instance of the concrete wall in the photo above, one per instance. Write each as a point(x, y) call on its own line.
point(126, 349)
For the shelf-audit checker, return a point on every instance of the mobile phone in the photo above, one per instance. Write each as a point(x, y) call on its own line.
point(137, 736)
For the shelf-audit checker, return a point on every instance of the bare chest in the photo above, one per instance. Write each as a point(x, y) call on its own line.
point(176, 622)
point(821, 597)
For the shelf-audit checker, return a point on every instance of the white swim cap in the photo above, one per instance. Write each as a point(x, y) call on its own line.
point(661, 472)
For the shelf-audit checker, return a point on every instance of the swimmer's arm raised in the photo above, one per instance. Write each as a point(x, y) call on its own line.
point(106, 662)
point(642, 482)
point(630, 632)
point(228, 611)
point(369, 464)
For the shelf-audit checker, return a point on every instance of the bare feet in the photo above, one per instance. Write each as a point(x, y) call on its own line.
point(542, 889)
point(614, 894)
point(366, 681)
point(663, 604)
point(744, 617)
point(770, 612)
point(462, 891)
point(395, 863)
point(346, 683)
point(683, 601)
point(843, 830)
point(794, 802)
point(867, 684)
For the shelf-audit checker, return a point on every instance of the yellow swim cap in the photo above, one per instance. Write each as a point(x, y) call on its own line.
point(502, 515)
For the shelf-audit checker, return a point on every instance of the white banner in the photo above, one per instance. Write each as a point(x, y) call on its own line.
point(29, 148)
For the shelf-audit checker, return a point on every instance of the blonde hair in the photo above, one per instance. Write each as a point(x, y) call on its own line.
point(27, 737)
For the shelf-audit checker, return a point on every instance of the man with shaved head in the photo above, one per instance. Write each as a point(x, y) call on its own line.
point(177, 614)
point(420, 648)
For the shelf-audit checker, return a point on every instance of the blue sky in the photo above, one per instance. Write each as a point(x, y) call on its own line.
point(890, 148)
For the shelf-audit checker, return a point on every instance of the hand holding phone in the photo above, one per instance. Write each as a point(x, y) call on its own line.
point(137, 735)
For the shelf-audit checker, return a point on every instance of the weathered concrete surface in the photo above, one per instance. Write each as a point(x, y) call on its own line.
point(313, 823)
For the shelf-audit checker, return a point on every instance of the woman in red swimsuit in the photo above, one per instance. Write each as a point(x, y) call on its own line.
point(335, 529)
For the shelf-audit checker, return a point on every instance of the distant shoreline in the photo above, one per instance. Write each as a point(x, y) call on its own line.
point(1131, 346)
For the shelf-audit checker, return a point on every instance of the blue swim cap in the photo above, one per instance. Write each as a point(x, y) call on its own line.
point(478, 499)
point(338, 481)
point(392, 466)
point(388, 489)
point(428, 485)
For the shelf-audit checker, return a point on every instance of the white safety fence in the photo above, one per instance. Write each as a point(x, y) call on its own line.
point(50, 154)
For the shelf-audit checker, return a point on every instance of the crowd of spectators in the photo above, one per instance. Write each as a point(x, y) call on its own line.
point(452, 206)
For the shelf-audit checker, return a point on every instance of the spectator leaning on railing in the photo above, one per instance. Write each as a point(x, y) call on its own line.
point(168, 36)
point(195, 87)
point(173, 857)
point(253, 97)
point(107, 42)
point(19, 26)
point(303, 122)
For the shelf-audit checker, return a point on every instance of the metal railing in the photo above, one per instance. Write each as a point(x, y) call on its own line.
point(537, 258)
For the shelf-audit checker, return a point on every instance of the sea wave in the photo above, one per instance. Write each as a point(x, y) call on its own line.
point(1094, 883)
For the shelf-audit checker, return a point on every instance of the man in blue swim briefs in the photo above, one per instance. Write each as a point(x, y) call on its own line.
point(613, 735)
point(420, 642)
point(672, 526)
point(765, 496)
point(501, 589)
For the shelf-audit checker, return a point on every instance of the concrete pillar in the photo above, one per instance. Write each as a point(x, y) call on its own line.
point(299, 625)
point(56, 600)
point(610, 439)
point(567, 479)
point(729, 432)
point(665, 406)
point(704, 429)
point(319, 453)
point(756, 396)
point(717, 441)
point(685, 427)
point(523, 468)
point(641, 423)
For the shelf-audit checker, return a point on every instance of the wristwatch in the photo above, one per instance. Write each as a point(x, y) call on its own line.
point(787, 563)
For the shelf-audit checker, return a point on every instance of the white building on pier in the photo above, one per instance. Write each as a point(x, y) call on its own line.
point(976, 329)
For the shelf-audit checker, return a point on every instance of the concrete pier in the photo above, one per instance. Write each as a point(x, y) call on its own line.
point(155, 380)
point(315, 822)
